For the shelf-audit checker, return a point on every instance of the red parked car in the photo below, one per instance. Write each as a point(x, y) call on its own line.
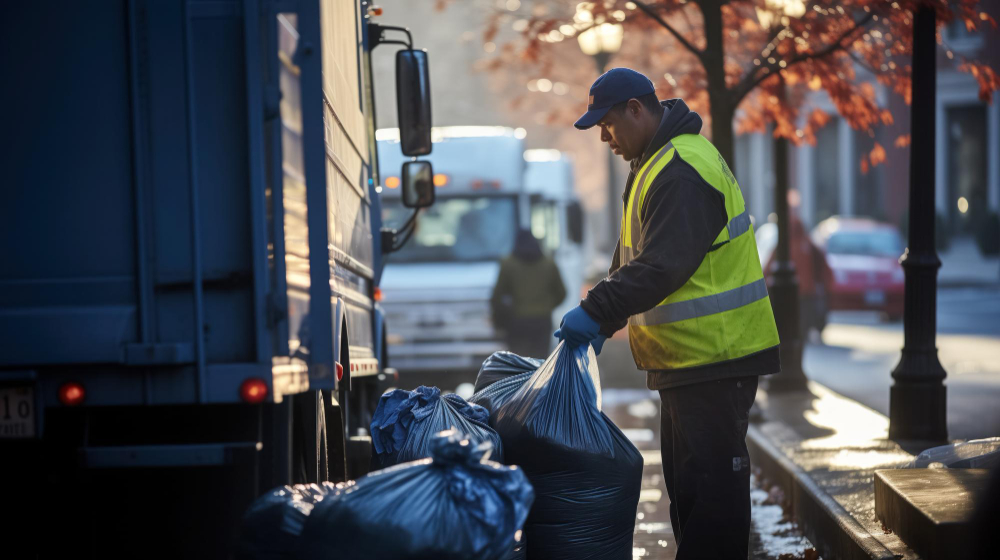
point(863, 256)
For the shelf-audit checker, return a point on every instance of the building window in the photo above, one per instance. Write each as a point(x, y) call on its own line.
point(867, 186)
point(827, 172)
point(959, 38)
point(967, 168)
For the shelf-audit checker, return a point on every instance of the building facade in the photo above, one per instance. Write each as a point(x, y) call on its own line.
point(827, 179)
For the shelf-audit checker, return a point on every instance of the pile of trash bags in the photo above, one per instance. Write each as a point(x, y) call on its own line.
point(585, 472)
point(405, 423)
point(457, 505)
point(568, 464)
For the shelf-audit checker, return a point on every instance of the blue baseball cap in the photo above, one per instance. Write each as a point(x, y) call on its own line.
point(613, 87)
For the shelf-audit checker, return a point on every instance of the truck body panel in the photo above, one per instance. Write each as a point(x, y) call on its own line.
point(190, 207)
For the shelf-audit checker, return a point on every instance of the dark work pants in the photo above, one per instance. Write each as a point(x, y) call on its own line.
point(706, 467)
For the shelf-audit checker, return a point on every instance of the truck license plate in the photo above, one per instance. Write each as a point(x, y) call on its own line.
point(874, 297)
point(17, 412)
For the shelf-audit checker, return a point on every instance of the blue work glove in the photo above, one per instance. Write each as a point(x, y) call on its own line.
point(598, 343)
point(577, 328)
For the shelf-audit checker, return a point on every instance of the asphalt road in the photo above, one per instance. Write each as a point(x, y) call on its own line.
point(856, 354)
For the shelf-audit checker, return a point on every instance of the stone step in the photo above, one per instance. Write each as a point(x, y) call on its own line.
point(931, 509)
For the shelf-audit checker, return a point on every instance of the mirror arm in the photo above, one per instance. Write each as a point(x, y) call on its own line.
point(391, 241)
point(407, 235)
point(376, 35)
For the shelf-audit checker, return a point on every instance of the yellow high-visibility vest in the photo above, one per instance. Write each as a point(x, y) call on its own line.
point(722, 312)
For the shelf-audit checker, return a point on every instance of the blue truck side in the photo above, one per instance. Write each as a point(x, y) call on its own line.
point(189, 261)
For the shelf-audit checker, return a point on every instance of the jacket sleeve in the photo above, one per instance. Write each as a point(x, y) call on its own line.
point(682, 216)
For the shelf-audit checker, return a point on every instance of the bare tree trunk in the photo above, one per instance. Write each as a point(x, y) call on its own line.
point(722, 130)
point(719, 97)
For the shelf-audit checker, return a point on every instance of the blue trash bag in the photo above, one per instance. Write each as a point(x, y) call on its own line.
point(405, 423)
point(272, 525)
point(455, 505)
point(585, 472)
point(503, 365)
point(501, 375)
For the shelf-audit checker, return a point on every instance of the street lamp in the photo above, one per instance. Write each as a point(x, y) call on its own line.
point(600, 40)
point(917, 405)
point(784, 285)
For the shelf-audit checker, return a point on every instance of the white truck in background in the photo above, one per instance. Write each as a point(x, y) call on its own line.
point(436, 290)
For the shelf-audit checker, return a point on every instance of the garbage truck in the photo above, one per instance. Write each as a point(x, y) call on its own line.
point(190, 252)
point(436, 290)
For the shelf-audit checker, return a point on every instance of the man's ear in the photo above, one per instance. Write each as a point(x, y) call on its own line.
point(634, 107)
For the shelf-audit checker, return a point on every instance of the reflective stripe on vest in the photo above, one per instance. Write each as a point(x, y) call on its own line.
point(739, 225)
point(700, 307)
point(630, 221)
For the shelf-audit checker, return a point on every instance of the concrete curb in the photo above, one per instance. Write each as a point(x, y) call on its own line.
point(956, 284)
point(832, 530)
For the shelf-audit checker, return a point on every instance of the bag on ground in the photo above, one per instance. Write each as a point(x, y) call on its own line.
point(406, 422)
point(455, 505)
point(585, 472)
point(972, 454)
point(271, 527)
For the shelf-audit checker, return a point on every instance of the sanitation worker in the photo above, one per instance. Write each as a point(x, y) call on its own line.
point(686, 280)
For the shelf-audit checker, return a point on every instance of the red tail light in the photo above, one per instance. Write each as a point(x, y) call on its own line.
point(253, 390)
point(378, 294)
point(71, 393)
point(340, 371)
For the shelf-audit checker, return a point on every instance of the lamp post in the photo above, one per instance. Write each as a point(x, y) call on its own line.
point(917, 407)
point(784, 283)
point(600, 41)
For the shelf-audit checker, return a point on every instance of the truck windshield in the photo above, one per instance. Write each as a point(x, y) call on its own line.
point(457, 229)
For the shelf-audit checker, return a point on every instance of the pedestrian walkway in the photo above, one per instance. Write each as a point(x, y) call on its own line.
point(822, 450)
point(963, 265)
point(637, 413)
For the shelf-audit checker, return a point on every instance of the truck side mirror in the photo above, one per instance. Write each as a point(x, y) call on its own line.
point(413, 102)
point(574, 222)
point(418, 184)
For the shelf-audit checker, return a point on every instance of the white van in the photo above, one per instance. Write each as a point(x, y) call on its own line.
point(436, 290)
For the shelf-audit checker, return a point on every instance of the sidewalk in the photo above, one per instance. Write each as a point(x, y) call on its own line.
point(822, 450)
point(963, 265)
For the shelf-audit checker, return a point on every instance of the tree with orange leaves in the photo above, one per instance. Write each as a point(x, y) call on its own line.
point(749, 61)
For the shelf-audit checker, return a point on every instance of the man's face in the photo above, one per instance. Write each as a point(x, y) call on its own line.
point(619, 129)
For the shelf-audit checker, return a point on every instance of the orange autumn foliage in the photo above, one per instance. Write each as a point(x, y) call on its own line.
point(725, 63)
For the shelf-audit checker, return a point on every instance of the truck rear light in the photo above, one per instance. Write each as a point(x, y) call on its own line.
point(253, 390)
point(71, 393)
point(377, 295)
point(340, 371)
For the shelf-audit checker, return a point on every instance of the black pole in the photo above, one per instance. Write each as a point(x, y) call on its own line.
point(602, 59)
point(917, 409)
point(784, 286)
